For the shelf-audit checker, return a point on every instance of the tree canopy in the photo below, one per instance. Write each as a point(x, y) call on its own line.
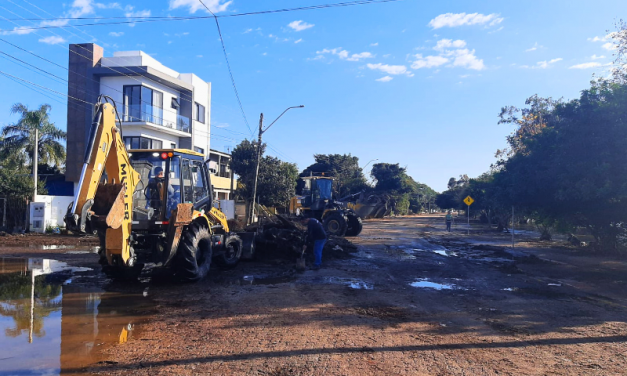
point(277, 179)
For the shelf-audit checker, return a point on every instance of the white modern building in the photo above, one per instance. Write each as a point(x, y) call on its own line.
point(159, 107)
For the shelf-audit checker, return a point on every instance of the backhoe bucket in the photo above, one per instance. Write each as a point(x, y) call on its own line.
point(108, 208)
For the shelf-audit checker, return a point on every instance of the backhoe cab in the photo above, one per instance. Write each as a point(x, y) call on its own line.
point(316, 201)
point(151, 206)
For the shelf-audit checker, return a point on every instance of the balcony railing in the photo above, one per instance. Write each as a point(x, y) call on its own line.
point(154, 115)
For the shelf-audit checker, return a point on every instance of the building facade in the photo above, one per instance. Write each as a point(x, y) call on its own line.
point(158, 107)
point(222, 178)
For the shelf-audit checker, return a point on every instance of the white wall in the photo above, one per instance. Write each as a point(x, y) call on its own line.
point(56, 208)
point(114, 87)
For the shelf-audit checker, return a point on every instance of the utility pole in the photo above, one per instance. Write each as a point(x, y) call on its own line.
point(513, 224)
point(261, 132)
point(252, 215)
point(35, 163)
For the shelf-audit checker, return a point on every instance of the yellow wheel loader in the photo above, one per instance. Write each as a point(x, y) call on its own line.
point(151, 206)
point(316, 201)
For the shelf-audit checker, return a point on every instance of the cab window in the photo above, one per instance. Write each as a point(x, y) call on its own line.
point(194, 182)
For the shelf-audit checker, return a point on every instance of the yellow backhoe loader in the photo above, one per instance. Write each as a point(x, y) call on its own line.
point(150, 206)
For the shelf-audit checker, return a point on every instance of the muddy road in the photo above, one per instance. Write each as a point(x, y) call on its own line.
point(413, 300)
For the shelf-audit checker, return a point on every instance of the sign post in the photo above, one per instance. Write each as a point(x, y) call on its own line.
point(468, 201)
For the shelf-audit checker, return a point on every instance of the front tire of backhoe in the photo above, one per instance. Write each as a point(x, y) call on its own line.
point(194, 253)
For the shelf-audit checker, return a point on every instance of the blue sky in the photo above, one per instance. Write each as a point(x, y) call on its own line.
point(412, 82)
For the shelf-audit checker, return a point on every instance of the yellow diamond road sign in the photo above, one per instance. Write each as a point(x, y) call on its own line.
point(468, 200)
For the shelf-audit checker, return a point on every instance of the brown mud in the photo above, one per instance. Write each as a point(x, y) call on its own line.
point(412, 300)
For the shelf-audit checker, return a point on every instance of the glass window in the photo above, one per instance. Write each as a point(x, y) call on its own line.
point(194, 182)
point(143, 104)
point(173, 145)
point(175, 103)
point(152, 191)
point(200, 181)
point(200, 113)
point(145, 143)
point(188, 192)
point(199, 150)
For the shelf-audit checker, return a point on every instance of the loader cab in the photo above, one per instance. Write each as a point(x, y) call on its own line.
point(169, 177)
point(317, 192)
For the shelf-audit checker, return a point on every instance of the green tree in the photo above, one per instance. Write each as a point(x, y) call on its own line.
point(573, 170)
point(19, 138)
point(348, 177)
point(277, 179)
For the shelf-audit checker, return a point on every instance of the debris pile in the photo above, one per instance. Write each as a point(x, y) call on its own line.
point(278, 237)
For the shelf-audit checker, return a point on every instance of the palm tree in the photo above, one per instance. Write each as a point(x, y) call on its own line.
point(19, 138)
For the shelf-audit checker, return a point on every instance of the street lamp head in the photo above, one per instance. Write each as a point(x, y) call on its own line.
point(301, 106)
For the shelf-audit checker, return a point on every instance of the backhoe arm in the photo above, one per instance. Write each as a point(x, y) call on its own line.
point(106, 204)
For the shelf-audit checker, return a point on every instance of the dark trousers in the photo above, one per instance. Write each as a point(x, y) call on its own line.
point(317, 250)
point(448, 226)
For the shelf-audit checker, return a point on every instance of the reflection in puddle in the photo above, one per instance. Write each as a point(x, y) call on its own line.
point(353, 283)
point(425, 283)
point(50, 323)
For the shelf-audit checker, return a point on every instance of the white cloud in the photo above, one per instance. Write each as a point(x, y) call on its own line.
point(543, 64)
point(603, 39)
point(609, 46)
point(216, 6)
point(108, 6)
point(374, 44)
point(52, 40)
point(595, 57)
point(247, 31)
point(198, 55)
point(116, 34)
point(18, 31)
point(428, 61)
point(300, 25)
point(535, 47)
point(357, 57)
point(345, 55)
point(181, 34)
point(141, 13)
point(389, 69)
point(81, 8)
point(467, 59)
point(585, 65)
point(461, 19)
point(385, 79)
point(448, 43)
point(298, 41)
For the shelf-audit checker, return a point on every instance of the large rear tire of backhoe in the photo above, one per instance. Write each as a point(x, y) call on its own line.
point(355, 225)
point(335, 224)
point(232, 253)
point(194, 253)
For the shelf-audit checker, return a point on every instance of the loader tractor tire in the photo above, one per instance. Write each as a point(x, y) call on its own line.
point(335, 224)
point(233, 247)
point(355, 225)
point(193, 256)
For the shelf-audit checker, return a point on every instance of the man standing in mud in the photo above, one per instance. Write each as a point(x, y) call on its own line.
point(449, 221)
point(317, 236)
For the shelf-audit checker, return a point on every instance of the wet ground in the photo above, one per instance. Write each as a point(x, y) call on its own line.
point(412, 300)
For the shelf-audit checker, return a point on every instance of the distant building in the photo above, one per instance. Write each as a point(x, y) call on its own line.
point(158, 107)
point(221, 177)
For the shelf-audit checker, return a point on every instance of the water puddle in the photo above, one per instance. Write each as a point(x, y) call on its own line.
point(425, 283)
point(352, 283)
point(53, 322)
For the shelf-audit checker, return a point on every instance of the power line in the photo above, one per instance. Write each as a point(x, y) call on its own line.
point(168, 18)
point(229, 67)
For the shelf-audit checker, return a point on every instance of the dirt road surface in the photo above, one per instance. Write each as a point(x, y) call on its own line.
point(414, 300)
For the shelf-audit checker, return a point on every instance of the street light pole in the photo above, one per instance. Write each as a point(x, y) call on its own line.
point(261, 132)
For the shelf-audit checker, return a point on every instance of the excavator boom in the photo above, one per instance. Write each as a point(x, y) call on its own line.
point(103, 200)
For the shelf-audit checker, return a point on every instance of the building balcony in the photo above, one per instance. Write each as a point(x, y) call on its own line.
point(151, 117)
